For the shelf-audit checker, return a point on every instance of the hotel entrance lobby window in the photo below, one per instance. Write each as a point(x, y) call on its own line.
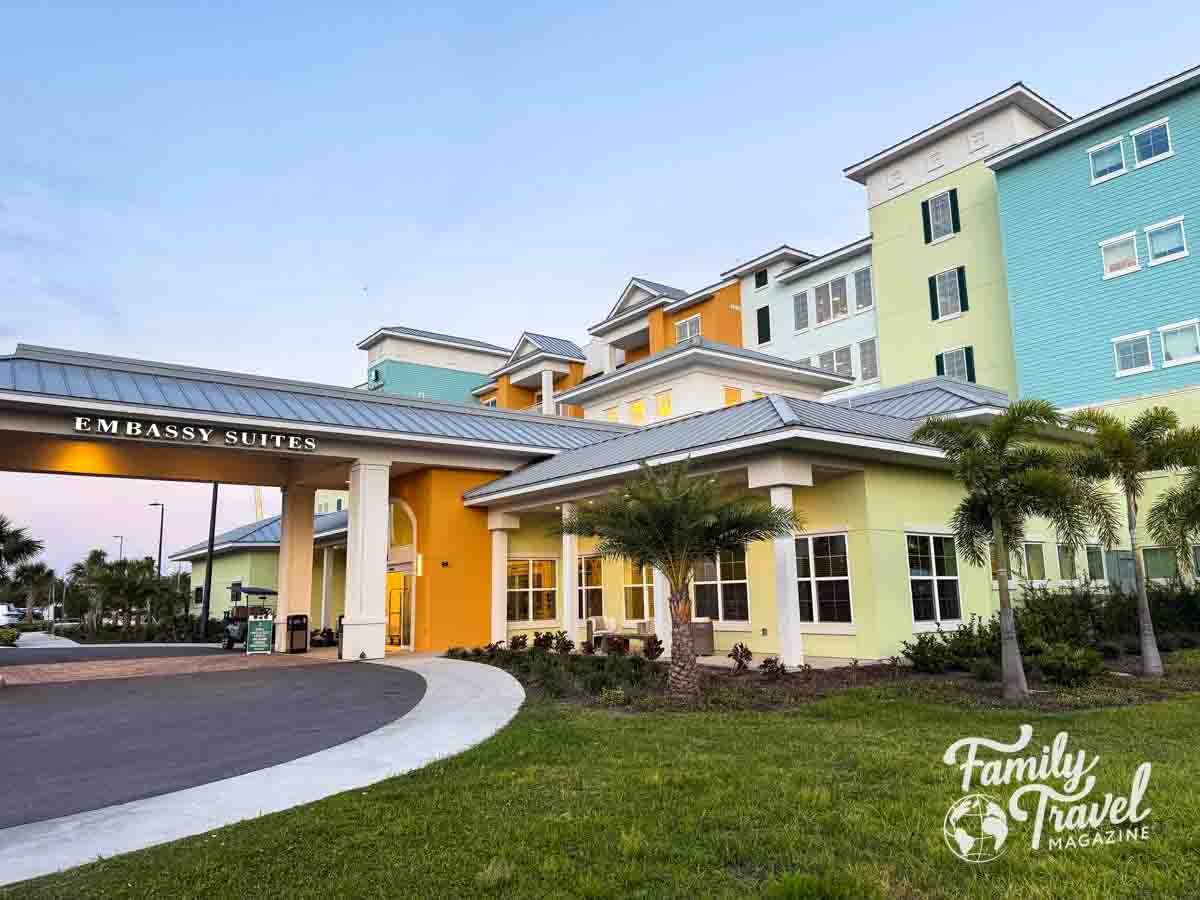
point(532, 590)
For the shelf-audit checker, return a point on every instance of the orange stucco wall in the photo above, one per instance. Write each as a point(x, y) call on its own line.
point(720, 319)
point(453, 593)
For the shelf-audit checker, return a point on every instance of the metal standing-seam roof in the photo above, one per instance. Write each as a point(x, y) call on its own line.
point(40, 371)
point(928, 397)
point(264, 533)
point(435, 336)
point(553, 345)
point(771, 413)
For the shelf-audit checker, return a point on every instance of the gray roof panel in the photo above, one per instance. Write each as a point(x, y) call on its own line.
point(557, 346)
point(928, 397)
point(663, 290)
point(265, 532)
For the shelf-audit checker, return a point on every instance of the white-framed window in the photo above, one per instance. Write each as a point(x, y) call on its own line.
point(490, 401)
point(532, 590)
point(1096, 566)
point(941, 217)
point(635, 411)
point(1151, 143)
point(1033, 561)
point(836, 361)
point(800, 311)
point(591, 590)
point(1180, 343)
point(720, 589)
point(868, 360)
point(1119, 255)
point(830, 301)
point(1160, 563)
point(864, 289)
point(933, 578)
point(1066, 563)
point(762, 319)
point(949, 298)
point(686, 329)
point(662, 405)
point(639, 593)
point(823, 579)
point(1107, 160)
point(760, 279)
point(957, 363)
point(1131, 353)
point(1166, 241)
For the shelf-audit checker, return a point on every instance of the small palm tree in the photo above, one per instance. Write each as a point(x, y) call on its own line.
point(129, 584)
point(665, 518)
point(34, 579)
point(16, 546)
point(1008, 479)
point(85, 575)
point(1126, 452)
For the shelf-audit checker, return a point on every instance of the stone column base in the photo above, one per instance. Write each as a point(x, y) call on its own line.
point(363, 638)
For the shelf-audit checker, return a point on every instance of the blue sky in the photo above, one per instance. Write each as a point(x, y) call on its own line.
point(257, 187)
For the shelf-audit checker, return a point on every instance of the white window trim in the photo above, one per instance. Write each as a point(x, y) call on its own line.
point(1116, 359)
point(929, 200)
point(833, 318)
point(754, 277)
point(536, 623)
point(1103, 563)
point(963, 348)
point(1178, 326)
point(816, 626)
point(626, 583)
point(926, 624)
point(1111, 175)
point(696, 319)
point(1137, 258)
point(1165, 120)
point(489, 402)
point(870, 340)
point(808, 318)
point(1036, 582)
point(854, 279)
point(720, 623)
point(1158, 226)
point(1167, 580)
point(948, 317)
point(580, 588)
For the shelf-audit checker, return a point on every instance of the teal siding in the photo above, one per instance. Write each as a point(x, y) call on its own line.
point(1052, 221)
point(428, 382)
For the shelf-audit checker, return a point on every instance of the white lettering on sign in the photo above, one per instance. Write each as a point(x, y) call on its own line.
point(192, 434)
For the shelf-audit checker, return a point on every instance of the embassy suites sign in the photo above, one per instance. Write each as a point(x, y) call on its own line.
point(192, 434)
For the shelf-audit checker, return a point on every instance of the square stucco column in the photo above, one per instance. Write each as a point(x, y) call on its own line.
point(499, 525)
point(791, 644)
point(662, 610)
point(326, 584)
point(365, 622)
point(295, 559)
point(547, 392)
point(570, 577)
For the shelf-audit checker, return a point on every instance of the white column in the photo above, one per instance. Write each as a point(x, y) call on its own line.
point(610, 358)
point(570, 578)
point(365, 621)
point(547, 392)
point(791, 645)
point(662, 610)
point(295, 559)
point(326, 585)
point(498, 523)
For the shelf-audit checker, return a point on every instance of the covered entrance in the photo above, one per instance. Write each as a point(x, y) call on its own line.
point(400, 611)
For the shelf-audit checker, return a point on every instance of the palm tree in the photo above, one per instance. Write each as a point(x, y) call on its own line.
point(16, 546)
point(667, 519)
point(85, 574)
point(34, 578)
point(129, 584)
point(1126, 452)
point(1008, 479)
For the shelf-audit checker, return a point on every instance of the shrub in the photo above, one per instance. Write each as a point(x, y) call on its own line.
point(971, 641)
point(612, 696)
point(1109, 649)
point(802, 886)
point(1188, 641)
point(1034, 647)
point(1070, 666)
point(588, 648)
point(543, 640)
point(457, 653)
point(652, 648)
point(8, 636)
point(562, 643)
point(1167, 643)
point(986, 669)
point(741, 656)
point(1132, 646)
point(518, 642)
point(617, 645)
point(927, 652)
point(772, 668)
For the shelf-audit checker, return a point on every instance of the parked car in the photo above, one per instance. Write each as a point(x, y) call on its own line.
point(11, 615)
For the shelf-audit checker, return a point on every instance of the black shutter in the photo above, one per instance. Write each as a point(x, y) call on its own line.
point(962, 288)
point(939, 364)
point(954, 210)
point(764, 324)
point(925, 221)
point(969, 353)
point(933, 301)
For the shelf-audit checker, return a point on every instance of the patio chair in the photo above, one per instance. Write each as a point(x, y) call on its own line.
point(598, 627)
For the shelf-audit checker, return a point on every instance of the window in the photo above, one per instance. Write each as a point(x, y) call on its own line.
point(1107, 160)
point(1151, 143)
point(823, 579)
point(636, 410)
point(763, 317)
point(490, 401)
point(933, 578)
point(662, 404)
point(958, 364)
point(532, 590)
point(339, 506)
point(639, 593)
point(836, 361)
point(864, 290)
point(1034, 567)
point(733, 396)
point(1132, 352)
point(611, 414)
point(831, 301)
point(800, 311)
point(1066, 562)
point(868, 360)
point(1166, 241)
point(760, 279)
point(1180, 342)
point(687, 329)
point(939, 216)
point(1119, 255)
point(721, 592)
point(591, 593)
point(948, 294)
point(1095, 563)
point(1160, 562)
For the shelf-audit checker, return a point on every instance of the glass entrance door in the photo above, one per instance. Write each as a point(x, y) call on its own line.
point(400, 610)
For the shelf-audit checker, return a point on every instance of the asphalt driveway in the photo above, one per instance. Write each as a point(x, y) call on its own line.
point(71, 652)
point(95, 743)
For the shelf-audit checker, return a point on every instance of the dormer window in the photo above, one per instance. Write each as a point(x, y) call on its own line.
point(760, 279)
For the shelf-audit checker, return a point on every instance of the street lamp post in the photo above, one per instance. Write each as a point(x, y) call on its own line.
point(121, 551)
point(162, 511)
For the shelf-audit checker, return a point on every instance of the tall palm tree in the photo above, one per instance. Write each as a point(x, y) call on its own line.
point(129, 584)
point(665, 518)
point(16, 546)
point(85, 575)
point(1008, 479)
point(1126, 452)
point(34, 578)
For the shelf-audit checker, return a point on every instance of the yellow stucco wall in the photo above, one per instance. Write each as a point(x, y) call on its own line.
point(253, 568)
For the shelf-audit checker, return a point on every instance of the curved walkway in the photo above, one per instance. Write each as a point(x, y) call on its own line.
point(464, 703)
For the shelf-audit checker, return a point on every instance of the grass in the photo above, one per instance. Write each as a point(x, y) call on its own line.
point(585, 801)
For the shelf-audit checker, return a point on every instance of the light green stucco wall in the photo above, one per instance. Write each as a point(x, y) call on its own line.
point(253, 568)
point(908, 337)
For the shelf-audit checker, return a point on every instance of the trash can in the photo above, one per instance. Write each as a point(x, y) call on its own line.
point(297, 634)
point(339, 636)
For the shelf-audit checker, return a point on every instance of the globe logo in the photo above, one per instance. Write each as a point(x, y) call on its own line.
point(976, 828)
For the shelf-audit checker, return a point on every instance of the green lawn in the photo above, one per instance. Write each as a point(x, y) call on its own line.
point(575, 801)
